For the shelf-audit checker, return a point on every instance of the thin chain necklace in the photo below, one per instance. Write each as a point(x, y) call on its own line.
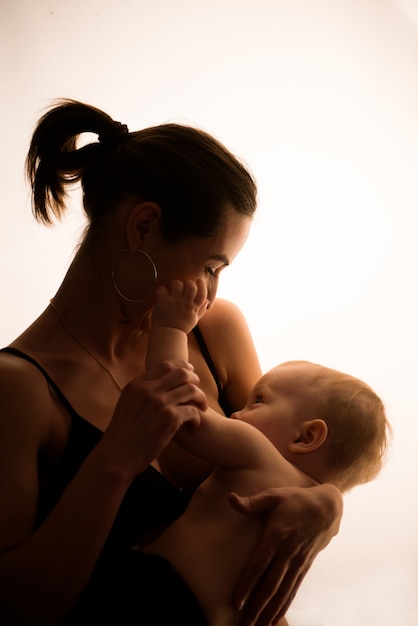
point(84, 347)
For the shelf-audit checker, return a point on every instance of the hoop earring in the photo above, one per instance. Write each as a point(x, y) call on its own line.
point(133, 275)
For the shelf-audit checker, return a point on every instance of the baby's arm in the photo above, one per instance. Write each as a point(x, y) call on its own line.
point(176, 311)
point(227, 443)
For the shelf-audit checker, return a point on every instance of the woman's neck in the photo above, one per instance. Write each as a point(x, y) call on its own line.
point(90, 308)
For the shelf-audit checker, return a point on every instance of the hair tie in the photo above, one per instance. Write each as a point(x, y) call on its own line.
point(114, 134)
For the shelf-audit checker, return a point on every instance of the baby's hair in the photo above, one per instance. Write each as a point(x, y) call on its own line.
point(358, 429)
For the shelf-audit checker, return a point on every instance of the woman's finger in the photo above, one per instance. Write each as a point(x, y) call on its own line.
point(274, 593)
point(264, 552)
point(285, 592)
point(291, 597)
point(253, 587)
point(273, 573)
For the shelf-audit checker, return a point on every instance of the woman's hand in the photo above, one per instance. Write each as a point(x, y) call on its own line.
point(150, 411)
point(300, 522)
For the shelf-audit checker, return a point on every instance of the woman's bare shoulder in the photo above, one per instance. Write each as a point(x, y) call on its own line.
point(231, 346)
point(224, 315)
point(226, 324)
point(26, 403)
point(26, 423)
point(16, 369)
point(221, 305)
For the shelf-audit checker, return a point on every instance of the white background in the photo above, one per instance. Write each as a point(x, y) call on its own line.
point(320, 97)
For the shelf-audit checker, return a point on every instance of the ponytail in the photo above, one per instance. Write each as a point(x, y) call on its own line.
point(54, 163)
point(192, 177)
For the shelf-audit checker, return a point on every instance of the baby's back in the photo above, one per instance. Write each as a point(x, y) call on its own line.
point(210, 543)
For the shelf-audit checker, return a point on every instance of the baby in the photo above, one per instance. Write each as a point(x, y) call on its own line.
point(303, 424)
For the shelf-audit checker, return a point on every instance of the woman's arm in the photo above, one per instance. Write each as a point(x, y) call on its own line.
point(43, 571)
point(299, 524)
point(54, 561)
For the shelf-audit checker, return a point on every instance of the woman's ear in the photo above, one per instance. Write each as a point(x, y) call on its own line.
point(142, 220)
point(311, 435)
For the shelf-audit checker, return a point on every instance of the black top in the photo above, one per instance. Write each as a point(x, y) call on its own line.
point(151, 501)
point(115, 592)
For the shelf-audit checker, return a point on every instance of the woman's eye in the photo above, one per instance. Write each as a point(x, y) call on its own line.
point(211, 272)
point(258, 399)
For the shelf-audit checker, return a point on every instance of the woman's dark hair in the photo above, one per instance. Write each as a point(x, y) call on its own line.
point(186, 171)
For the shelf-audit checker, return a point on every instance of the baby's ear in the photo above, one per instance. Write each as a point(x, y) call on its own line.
point(311, 435)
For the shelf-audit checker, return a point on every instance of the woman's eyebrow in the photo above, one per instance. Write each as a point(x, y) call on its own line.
point(220, 257)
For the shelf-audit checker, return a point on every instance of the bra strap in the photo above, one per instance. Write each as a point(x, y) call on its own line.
point(53, 385)
point(206, 355)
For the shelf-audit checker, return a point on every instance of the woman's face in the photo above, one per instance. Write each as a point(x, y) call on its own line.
point(203, 257)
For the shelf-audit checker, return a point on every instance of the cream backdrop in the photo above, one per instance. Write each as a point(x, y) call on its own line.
point(321, 99)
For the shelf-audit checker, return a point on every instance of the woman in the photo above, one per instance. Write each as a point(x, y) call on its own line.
point(86, 458)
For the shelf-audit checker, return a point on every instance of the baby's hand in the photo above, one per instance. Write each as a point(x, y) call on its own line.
point(180, 304)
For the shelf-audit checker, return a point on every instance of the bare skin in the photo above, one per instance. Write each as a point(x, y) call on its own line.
point(56, 559)
point(209, 545)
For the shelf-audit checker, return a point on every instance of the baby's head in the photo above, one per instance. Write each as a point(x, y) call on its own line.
point(329, 424)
